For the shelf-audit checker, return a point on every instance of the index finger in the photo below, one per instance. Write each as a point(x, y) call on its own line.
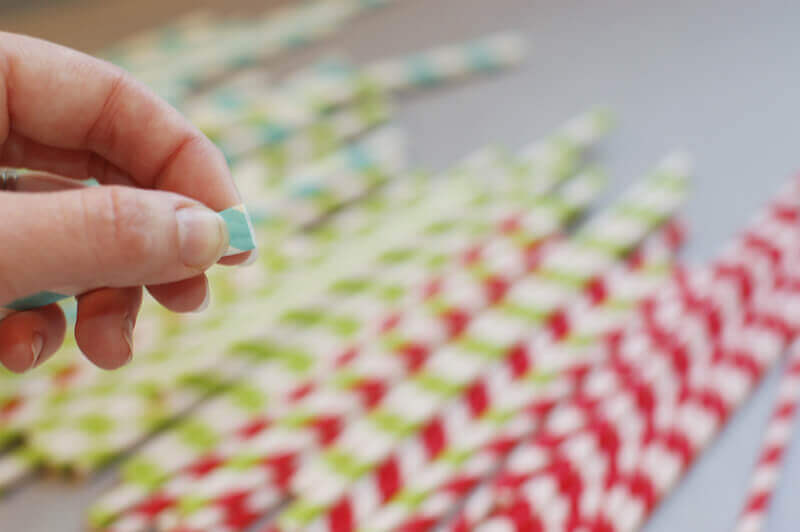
point(65, 99)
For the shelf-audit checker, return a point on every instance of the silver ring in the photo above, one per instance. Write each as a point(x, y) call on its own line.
point(8, 179)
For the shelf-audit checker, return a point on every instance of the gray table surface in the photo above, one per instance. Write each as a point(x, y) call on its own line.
point(718, 78)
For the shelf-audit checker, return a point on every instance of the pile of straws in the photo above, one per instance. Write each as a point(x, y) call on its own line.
point(469, 351)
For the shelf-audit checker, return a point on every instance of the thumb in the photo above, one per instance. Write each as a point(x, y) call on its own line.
point(73, 241)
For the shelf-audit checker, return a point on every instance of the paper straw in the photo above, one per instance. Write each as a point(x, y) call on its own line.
point(296, 141)
point(292, 27)
point(336, 389)
point(579, 443)
point(39, 406)
point(564, 268)
point(525, 512)
point(447, 62)
point(289, 103)
point(340, 178)
point(531, 506)
point(274, 371)
point(158, 45)
point(163, 450)
point(217, 110)
point(335, 82)
point(777, 437)
point(705, 403)
point(768, 253)
point(481, 395)
point(433, 493)
point(361, 165)
point(544, 154)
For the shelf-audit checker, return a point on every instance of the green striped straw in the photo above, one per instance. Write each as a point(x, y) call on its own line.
point(290, 143)
point(333, 386)
point(83, 443)
point(564, 271)
point(176, 447)
point(78, 379)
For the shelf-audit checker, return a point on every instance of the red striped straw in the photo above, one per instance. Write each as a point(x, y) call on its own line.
point(556, 479)
point(329, 425)
point(375, 478)
point(442, 500)
point(776, 439)
point(530, 508)
point(709, 386)
point(767, 327)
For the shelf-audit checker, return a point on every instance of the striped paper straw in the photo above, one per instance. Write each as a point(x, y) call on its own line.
point(302, 411)
point(292, 27)
point(523, 509)
point(777, 437)
point(449, 62)
point(306, 282)
point(225, 106)
point(172, 451)
point(284, 104)
point(434, 493)
point(29, 410)
point(367, 159)
point(532, 506)
point(540, 155)
point(157, 45)
point(579, 443)
point(760, 267)
point(564, 269)
point(335, 180)
point(487, 400)
point(180, 448)
point(632, 497)
point(337, 82)
point(296, 141)
point(334, 82)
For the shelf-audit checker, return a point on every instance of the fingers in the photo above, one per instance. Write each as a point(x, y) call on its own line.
point(20, 152)
point(29, 338)
point(74, 241)
point(105, 323)
point(63, 99)
point(189, 295)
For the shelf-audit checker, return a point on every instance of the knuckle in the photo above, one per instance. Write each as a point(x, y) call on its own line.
point(122, 224)
point(102, 130)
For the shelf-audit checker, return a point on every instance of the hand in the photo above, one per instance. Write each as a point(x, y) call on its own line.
point(65, 112)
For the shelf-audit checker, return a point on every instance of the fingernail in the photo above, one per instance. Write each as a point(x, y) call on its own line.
point(202, 236)
point(127, 335)
point(37, 343)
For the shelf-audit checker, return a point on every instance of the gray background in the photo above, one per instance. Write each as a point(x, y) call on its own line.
point(719, 79)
